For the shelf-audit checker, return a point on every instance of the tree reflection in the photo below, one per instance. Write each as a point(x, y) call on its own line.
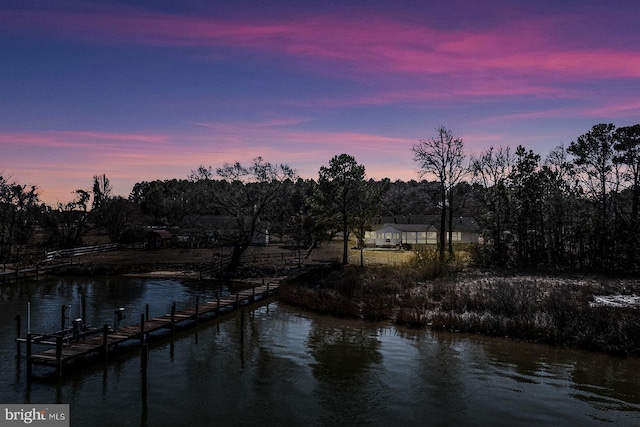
point(349, 373)
point(439, 384)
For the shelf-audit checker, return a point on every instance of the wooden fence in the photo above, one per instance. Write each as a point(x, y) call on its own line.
point(73, 252)
point(52, 261)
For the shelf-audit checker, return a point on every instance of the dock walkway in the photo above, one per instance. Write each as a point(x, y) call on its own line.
point(66, 347)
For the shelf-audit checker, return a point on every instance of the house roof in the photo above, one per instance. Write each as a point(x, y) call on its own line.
point(425, 222)
point(164, 234)
point(405, 227)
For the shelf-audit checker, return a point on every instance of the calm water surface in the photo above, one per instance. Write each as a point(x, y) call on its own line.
point(297, 368)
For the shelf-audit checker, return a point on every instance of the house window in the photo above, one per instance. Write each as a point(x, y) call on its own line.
point(432, 237)
point(456, 236)
point(396, 236)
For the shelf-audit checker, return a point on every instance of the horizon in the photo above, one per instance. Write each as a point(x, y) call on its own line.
point(153, 91)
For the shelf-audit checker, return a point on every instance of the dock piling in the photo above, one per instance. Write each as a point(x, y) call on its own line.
point(84, 311)
point(105, 341)
point(63, 316)
point(173, 317)
point(58, 356)
point(142, 329)
point(18, 331)
point(144, 359)
point(29, 366)
point(65, 349)
point(242, 324)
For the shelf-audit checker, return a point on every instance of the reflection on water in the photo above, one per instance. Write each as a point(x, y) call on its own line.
point(346, 364)
point(291, 367)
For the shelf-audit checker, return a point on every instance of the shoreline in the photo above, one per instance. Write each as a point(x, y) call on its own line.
point(557, 311)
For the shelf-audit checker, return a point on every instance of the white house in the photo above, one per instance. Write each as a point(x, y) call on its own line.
point(407, 231)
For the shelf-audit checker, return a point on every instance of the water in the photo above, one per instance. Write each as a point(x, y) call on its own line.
point(297, 368)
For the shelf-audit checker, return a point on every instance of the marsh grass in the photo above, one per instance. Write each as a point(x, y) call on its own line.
point(551, 310)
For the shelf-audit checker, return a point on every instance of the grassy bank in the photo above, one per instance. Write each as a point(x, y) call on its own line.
point(558, 311)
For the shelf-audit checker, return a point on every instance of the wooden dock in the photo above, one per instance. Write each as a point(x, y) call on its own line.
point(67, 347)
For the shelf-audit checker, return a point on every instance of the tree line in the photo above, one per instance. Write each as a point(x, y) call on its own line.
point(576, 208)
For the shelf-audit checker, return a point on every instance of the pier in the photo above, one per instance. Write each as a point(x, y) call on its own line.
point(83, 343)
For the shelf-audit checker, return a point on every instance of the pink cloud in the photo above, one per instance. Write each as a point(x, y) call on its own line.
point(394, 62)
point(78, 139)
point(58, 162)
point(44, 139)
point(521, 55)
point(284, 134)
point(65, 167)
point(606, 110)
point(112, 136)
point(627, 108)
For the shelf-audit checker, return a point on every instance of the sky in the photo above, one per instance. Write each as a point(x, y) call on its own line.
point(152, 89)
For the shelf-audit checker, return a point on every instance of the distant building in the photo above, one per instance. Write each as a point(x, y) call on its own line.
point(407, 231)
point(157, 239)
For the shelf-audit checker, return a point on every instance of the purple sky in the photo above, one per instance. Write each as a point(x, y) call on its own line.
point(151, 89)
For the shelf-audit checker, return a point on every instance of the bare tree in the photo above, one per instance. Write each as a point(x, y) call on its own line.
point(368, 207)
point(244, 194)
point(442, 157)
point(559, 203)
point(492, 169)
point(101, 191)
point(203, 173)
point(116, 215)
point(70, 221)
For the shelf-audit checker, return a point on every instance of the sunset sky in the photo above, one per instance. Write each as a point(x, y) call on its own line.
point(151, 89)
